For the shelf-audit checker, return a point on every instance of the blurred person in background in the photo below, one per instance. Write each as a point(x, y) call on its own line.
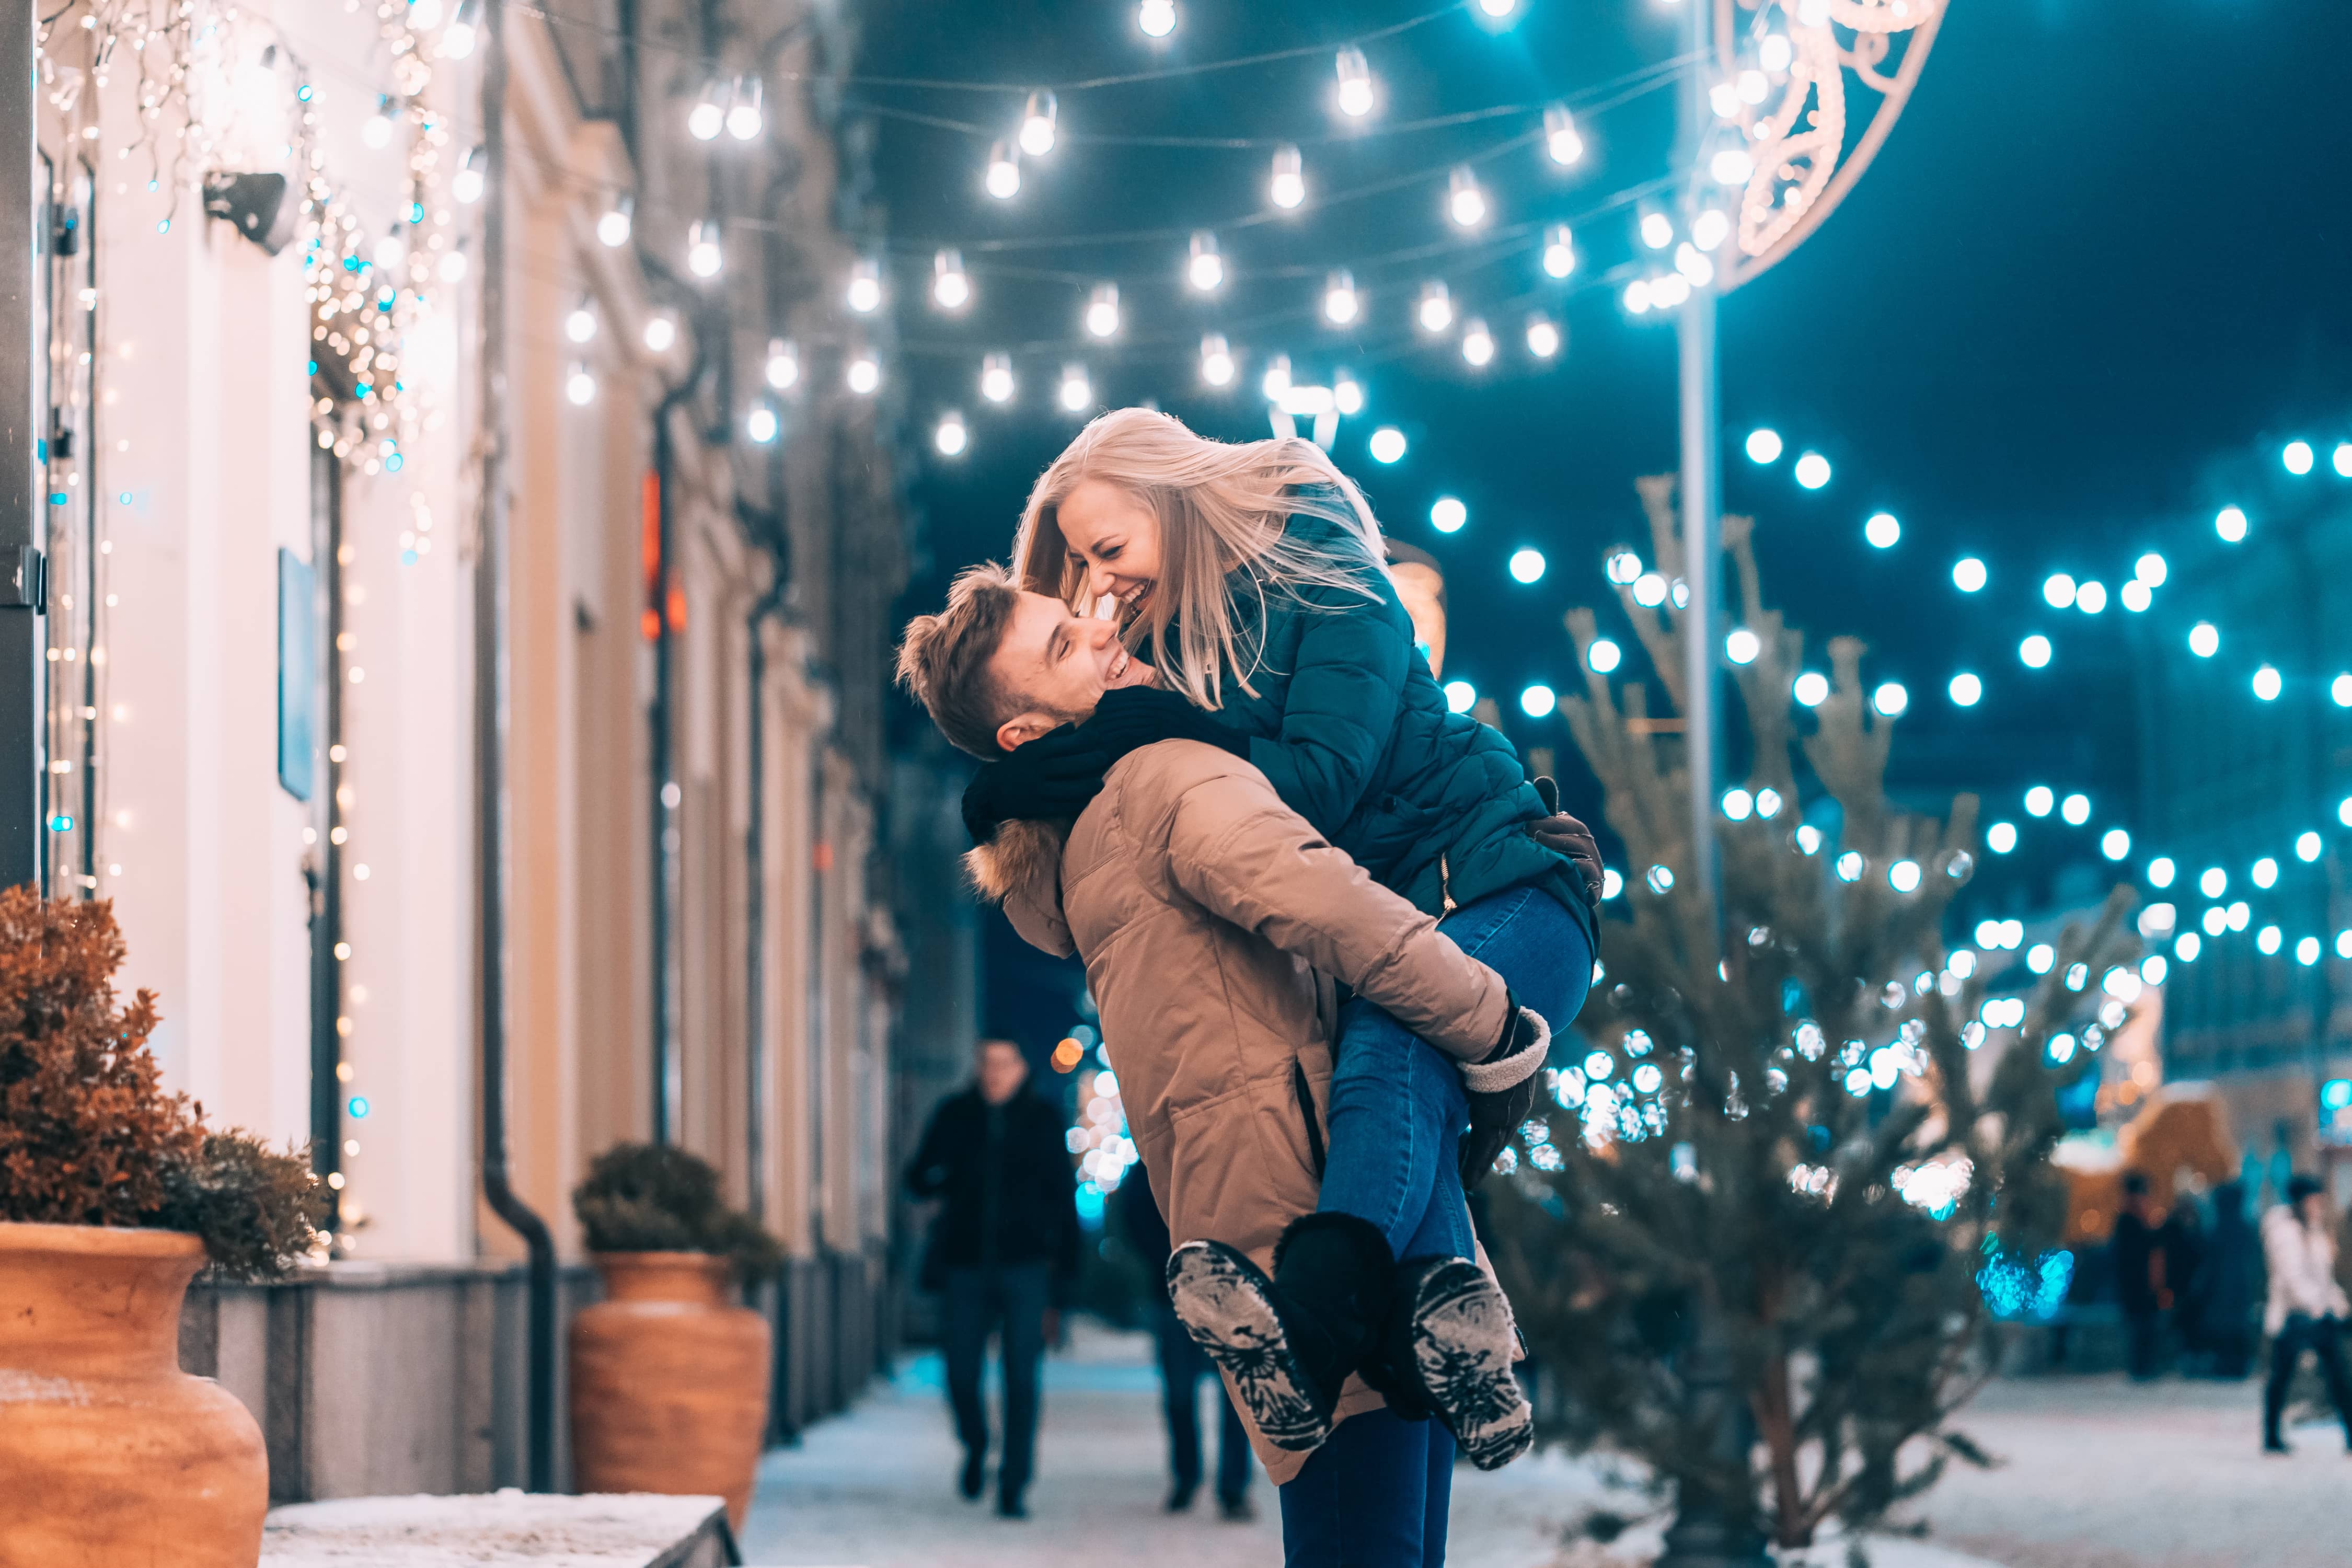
point(1182, 1365)
point(2307, 1307)
point(2228, 1284)
point(1003, 1251)
point(2139, 1255)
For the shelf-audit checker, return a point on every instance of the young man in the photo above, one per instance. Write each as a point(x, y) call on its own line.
point(1215, 923)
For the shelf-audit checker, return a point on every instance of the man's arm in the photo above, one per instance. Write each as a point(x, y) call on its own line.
point(927, 1172)
point(1234, 847)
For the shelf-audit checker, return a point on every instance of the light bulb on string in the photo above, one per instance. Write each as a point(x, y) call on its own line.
point(1276, 379)
point(950, 287)
point(863, 294)
point(1710, 229)
point(949, 437)
point(1347, 398)
point(1694, 266)
point(1204, 269)
point(1387, 446)
point(2341, 460)
point(1543, 336)
point(1968, 574)
point(1723, 97)
point(1561, 139)
point(1763, 445)
point(2034, 652)
point(1813, 470)
point(581, 325)
point(466, 186)
point(579, 385)
point(1637, 297)
point(1559, 251)
point(1732, 166)
point(1656, 229)
point(463, 30)
point(703, 256)
point(375, 131)
point(1102, 310)
point(1156, 18)
point(761, 424)
point(1882, 530)
point(996, 377)
point(2229, 522)
point(1037, 124)
point(1447, 514)
point(1499, 9)
point(1466, 204)
point(2204, 639)
point(744, 118)
point(1477, 343)
point(1436, 306)
point(783, 364)
point(1776, 53)
point(1340, 301)
point(1216, 360)
point(1966, 689)
point(615, 223)
point(708, 117)
point(1355, 97)
point(1754, 85)
point(2134, 596)
point(661, 330)
point(2296, 456)
point(1077, 395)
point(1288, 187)
point(1003, 172)
point(863, 374)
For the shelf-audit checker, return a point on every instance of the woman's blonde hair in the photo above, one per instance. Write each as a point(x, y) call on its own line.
point(1222, 510)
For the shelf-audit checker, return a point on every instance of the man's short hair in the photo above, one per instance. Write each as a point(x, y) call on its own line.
point(944, 659)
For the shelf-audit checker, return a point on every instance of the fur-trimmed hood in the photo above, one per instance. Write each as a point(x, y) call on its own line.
point(1021, 869)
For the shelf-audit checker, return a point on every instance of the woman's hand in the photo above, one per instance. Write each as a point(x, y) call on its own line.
point(1058, 774)
point(1564, 834)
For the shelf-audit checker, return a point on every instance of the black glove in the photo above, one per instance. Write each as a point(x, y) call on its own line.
point(1059, 772)
point(1501, 1087)
point(1564, 834)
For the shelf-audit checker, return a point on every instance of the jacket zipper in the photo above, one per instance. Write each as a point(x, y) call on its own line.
point(1300, 1086)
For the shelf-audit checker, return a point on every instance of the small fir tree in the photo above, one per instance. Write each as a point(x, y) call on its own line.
point(1763, 1201)
point(657, 1197)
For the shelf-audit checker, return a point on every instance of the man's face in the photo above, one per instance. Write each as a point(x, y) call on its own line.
point(1060, 664)
point(1002, 1070)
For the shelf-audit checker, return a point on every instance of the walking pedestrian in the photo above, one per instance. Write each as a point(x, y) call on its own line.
point(1182, 1365)
point(2139, 1253)
point(1007, 1253)
point(2228, 1284)
point(2307, 1307)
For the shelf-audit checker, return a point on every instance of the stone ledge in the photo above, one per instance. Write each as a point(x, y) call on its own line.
point(507, 1529)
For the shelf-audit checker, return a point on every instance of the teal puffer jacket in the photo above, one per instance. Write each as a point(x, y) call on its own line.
point(1349, 726)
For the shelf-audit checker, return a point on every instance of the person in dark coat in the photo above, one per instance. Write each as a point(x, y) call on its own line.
point(1004, 1250)
point(2228, 1286)
point(2139, 1252)
point(1182, 1365)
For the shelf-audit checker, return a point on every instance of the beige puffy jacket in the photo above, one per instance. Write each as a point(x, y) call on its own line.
point(1214, 922)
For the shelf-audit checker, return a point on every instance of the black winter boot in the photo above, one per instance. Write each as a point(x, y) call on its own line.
point(1289, 1342)
point(1448, 1346)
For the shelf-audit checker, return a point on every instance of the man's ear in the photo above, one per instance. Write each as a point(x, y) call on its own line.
point(1022, 728)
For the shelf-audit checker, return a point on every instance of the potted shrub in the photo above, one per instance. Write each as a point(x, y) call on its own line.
point(669, 1379)
point(112, 1195)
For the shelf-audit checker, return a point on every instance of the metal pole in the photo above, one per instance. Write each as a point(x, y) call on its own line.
point(22, 595)
point(490, 688)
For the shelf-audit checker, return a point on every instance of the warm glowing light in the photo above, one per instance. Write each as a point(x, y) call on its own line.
point(580, 326)
point(704, 258)
point(1341, 302)
point(1387, 444)
point(1156, 18)
point(865, 293)
point(614, 225)
point(950, 287)
point(466, 184)
point(1447, 514)
point(783, 364)
point(950, 436)
point(1076, 393)
point(1355, 84)
point(1732, 166)
point(1764, 445)
point(375, 131)
point(1561, 139)
point(1003, 172)
point(744, 121)
point(863, 372)
point(1658, 230)
point(1477, 343)
point(1543, 336)
point(1276, 379)
point(1102, 310)
point(579, 386)
point(708, 117)
point(761, 426)
point(996, 378)
point(1037, 124)
point(1288, 187)
point(1204, 269)
point(1813, 470)
point(1466, 204)
point(1710, 229)
point(1346, 393)
point(1216, 361)
point(661, 330)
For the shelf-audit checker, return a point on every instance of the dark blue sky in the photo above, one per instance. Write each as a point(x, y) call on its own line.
point(2098, 269)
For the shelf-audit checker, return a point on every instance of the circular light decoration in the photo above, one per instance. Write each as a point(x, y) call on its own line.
point(579, 386)
point(705, 259)
point(1038, 127)
point(1276, 381)
point(1559, 252)
point(1102, 310)
point(950, 285)
point(2204, 639)
point(761, 424)
point(1460, 696)
point(661, 330)
point(1003, 179)
point(1741, 646)
point(1904, 876)
point(2151, 570)
point(2035, 651)
point(2229, 522)
point(2308, 847)
point(2267, 684)
point(614, 225)
point(1538, 702)
point(1526, 566)
point(2160, 871)
point(2058, 591)
point(996, 378)
point(1156, 18)
point(1204, 269)
point(2188, 947)
point(1355, 84)
point(2341, 460)
point(1882, 531)
point(1967, 690)
point(863, 372)
point(2136, 596)
point(2039, 801)
point(1661, 879)
point(2091, 598)
point(1543, 336)
point(783, 368)
point(2297, 458)
point(1340, 301)
point(580, 326)
point(1763, 445)
point(950, 437)
point(1288, 187)
point(1447, 514)
point(1477, 343)
point(1649, 590)
point(1850, 867)
point(1077, 392)
point(2075, 809)
point(2001, 839)
point(2340, 689)
point(2114, 844)
point(1561, 139)
point(1387, 444)
point(1813, 470)
point(1466, 204)
point(1738, 804)
point(1216, 361)
point(1968, 574)
point(1890, 698)
point(1624, 567)
point(1811, 689)
point(1604, 656)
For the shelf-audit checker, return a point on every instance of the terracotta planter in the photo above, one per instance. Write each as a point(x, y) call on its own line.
point(669, 1382)
point(110, 1454)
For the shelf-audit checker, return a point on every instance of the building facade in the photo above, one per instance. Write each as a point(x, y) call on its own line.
point(432, 455)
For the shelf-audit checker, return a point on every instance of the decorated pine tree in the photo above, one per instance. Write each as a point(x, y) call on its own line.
point(1753, 1235)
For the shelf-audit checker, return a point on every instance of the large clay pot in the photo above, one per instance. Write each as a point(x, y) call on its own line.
point(110, 1454)
point(669, 1382)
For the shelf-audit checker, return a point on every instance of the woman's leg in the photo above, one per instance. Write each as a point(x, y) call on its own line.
point(1437, 1497)
point(1362, 1499)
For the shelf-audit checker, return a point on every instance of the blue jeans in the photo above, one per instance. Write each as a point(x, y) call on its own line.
point(1182, 1365)
point(1375, 1495)
point(1012, 1299)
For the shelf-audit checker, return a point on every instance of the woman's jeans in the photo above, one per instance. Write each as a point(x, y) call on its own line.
point(1375, 1495)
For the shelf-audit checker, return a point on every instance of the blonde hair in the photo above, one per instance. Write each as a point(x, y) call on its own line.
point(1222, 509)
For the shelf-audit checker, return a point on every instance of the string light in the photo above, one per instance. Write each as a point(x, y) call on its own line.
point(1882, 531)
point(1968, 574)
point(2341, 460)
point(375, 131)
point(580, 326)
point(2001, 839)
point(1460, 696)
point(1339, 299)
point(458, 43)
point(1559, 252)
point(863, 372)
point(1732, 166)
point(1710, 229)
point(1216, 361)
point(1355, 84)
point(703, 258)
point(1077, 395)
point(708, 116)
point(1693, 266)
point(1466, 204)
point(2114, 844)
point(761, 424)
point(1347, 398)
point(865, 293)
point(1003, 172)
point(1447, 514)
point(1604, 656)
point(1538, 702)
point(2266, 684)
point(1658, 230)
point(579, 385)
point(783, 364)
point(950, 287)
point(613, 224)
point(2058, 590)
point(1741, 646)
point(1560, 137)
point(1204, 269)
point(1037, 124)
point(996, 378)
point(1276, 379)
point(1891, 698)
point(1288, 186)
point(950, 436)
point(1967, 690)
point(1813, 470)
point(1764, 445)
point(1543, 336)
point(1436, 306)
point(744, 119)
point(1477, 343)
point(1156, 18)
point(2034, 652)
point(2341, 689)
point(661, 330)
point(1387, 446)
point(2297, 458)
point(2204, 639)
point(1499, 9)
point(2076, 810)
point(2230, 524)
point(2307, 848)
point(466, 184)
point(2091, 598)
point(2134, 596)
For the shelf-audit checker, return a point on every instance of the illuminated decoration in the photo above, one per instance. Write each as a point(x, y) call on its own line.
point(1968, 574)
point(1448, 514)
point(1038, 129)
point(2076, 810)
point(1466, 204)
point(661, 330)
point(2034, 652)
point(1340, 301)
point(580, 326)
point(1355, 94)
point(614, 224)
point(1003, 179)
point(863, 374)
point(1891, 698)
point(2229, 522)
point(950, 285)
point(1794, 130)
point(1966, 691)
point(2058, 590)
point(1276, 379)
point(1216, 361)
point(1882, 531)
point(2341, 460)
point(1741, 646)
point(1526, 566)
point(703, 256)
point(1813, 470)
point(579, 386)
point(1543, 336)
point(2001, 839)
point(2267, 684)
point(708, 116)
point(996, 378)
point(1604, 656)
point(1156, 18)
point(1561, 139)
point(1764, 445)
point(1102, 310)
point(1811, 689)
point(1460, 696)
point(1538, 702)
point(1387, 444)
point(1346, 393)
point(2204, 639)
point(744, 119)
point(950, 437)
point(1477, 343)
point(1436, 311)
point(1559, 251)
point(1288, 186)
point(761, 424)
point(783, 365)
point(2297, 458)
point(1710, 229)
point(865, 293)
point(1656, 229)
point(1204, 269)
point(1076, 393)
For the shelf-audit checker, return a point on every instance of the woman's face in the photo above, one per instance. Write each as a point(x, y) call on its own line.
point(1114, 540)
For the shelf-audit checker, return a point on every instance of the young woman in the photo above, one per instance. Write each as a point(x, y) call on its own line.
point(1251, 577)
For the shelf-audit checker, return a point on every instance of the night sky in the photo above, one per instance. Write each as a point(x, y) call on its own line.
point(2096, 279)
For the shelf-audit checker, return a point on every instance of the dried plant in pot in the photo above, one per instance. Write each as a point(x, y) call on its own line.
point(113, 1195)
point(669, 1377)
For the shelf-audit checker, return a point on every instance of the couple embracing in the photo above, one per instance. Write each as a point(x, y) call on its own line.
point(1327, 922)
